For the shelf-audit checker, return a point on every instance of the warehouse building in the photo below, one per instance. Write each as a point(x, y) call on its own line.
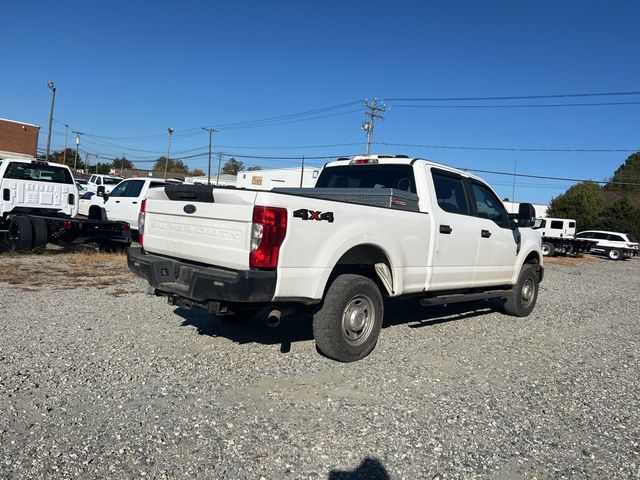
point(18, 139)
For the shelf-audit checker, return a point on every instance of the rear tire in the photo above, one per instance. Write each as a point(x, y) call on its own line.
point(548, 249)
point(347, 326)
point(40, 233)
point(20, 234)
point(525, 293)
point(614, 254)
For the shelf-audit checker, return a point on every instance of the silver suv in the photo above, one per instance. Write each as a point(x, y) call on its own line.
point(615, 245)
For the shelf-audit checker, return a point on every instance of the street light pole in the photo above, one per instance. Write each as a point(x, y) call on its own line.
point(166, 162)
point(75, 161)
point(53, 99)
point(210, 130)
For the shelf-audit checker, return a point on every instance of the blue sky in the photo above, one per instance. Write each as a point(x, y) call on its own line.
point(126, 71)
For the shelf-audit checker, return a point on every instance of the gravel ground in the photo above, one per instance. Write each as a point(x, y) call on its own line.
point(105, 382)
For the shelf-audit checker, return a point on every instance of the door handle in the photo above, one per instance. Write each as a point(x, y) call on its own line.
point(135, 203)
point(445, 229)
point(486, 233)
point(117, 201)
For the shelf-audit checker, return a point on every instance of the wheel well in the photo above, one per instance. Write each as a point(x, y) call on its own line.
point(97, 213)
point(362, 260)
point(532, 258)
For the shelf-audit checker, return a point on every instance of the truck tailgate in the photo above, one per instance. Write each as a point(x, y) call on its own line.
point(216, 233)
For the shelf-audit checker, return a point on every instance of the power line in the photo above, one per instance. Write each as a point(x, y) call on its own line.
point(532, 105)
point(468, 169)
point(289, 116)
point(515, 97)
point(544, 177)
point(513, 149)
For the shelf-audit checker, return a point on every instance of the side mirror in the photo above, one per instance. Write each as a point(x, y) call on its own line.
point(101, 191)
point(526, 213)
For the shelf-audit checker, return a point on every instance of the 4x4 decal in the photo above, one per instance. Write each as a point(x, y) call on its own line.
point(305, 214)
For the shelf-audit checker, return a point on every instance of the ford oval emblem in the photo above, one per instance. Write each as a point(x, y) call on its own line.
point(189, 208)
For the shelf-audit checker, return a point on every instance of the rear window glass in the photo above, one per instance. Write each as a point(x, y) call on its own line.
point(111, 181)
point(450, 193)
point(615, 238)
point(40, 171)
point(368, 176)
point(632, 238)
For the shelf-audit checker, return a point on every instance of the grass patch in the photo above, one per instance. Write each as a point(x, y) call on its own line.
point(64, 270)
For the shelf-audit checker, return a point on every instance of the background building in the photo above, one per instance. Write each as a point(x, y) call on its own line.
point(18, 140)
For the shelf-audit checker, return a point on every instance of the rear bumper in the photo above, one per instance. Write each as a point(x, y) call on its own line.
point(202, 284)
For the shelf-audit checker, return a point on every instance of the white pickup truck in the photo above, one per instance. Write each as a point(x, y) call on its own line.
point(38, 205)
point(105, 183)
point(123, 203)
point(373, 227)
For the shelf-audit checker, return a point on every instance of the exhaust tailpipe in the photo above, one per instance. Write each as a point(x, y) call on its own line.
point(273, 320)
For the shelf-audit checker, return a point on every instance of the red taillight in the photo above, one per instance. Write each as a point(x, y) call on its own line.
point(267, 234)
point(143, 209)
point(67, 225)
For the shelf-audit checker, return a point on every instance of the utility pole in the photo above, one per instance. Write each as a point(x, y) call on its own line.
point(66, 136)
point(219, 162)
point(166, 162)
point(210, 130)
point(75, 161)
point(53, 100)
point(373, 115)
point(86, 161)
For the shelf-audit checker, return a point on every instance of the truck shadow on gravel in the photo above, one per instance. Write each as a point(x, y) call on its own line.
point(298, 328)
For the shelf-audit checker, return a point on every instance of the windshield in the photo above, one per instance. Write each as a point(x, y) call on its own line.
point(40, 171)
point(539, 223)
point(368, 176)
point(111, 180)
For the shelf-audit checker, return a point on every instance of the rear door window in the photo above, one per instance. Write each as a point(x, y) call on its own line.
point(450, 192)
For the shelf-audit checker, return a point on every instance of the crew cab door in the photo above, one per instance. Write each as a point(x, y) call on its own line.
point(497, 241)
point(124, 202)
point(456, 233)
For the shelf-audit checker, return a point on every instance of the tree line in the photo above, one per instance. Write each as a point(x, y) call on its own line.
point(121, 164)
point(614, 206)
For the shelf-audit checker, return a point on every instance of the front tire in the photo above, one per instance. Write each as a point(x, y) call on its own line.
point(525, 293)
point(347, 326)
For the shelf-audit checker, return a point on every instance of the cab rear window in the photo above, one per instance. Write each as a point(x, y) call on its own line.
point(42, 172)
point(368, 176)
